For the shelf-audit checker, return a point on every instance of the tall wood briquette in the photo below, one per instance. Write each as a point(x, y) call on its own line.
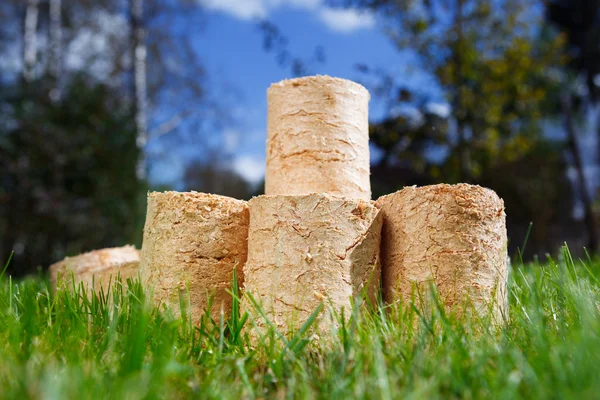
point(96, 269)
point(318, 138)
point(192, 244)
point(304, 250)
point(451, 236)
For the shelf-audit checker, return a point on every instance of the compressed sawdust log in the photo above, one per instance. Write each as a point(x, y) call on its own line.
point(452, 236)
point(96, 269)
point(192, 244)
point(318, 138)
point(304, 250)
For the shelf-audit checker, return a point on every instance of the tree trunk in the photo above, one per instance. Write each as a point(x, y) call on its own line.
point(595, 104)
point(597, 108)
point(30, 39)
point(465, 172)
point(55, 64)
point(590, 221)
point(464, 154)
point(138, 55)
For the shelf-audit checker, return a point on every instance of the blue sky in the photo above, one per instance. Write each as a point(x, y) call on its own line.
point(231, 48)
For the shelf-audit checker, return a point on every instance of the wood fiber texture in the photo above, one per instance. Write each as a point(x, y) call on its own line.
point(453, 236)
point(318, 138)
point(192, 244)
point(98, 267)
point(304, 250)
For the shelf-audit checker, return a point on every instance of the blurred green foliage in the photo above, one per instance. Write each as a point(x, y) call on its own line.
point(536, 191)
point(67, 173)
point(494, 69)
point(501, 70)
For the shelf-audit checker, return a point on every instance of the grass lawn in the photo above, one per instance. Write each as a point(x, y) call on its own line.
point(66, 346)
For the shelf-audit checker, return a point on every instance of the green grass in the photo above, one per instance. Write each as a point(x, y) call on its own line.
point(67, 346)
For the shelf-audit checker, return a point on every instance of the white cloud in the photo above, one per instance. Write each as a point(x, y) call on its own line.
point(252, 168)
point(440, 109)
point(346, 20)
point(410, 113)
point(303, 4)
point(240, 9)
point(231, 140)
point(338, 20)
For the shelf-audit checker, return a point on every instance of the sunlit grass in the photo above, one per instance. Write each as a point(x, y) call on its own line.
point(115, 345)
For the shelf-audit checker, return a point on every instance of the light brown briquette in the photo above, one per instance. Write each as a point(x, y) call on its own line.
point(452, 236)
point(96, 269)
point(318, 138)
point(192, 244)
point(304, 250)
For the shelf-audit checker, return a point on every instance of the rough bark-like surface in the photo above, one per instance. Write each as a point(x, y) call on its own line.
point(194, 241)
point(308, 249)
point(99, 267)
point(451, 235)
point(318, 138)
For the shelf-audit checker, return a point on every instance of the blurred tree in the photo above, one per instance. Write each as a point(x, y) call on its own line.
point(135, 46)
point(137, 32)
point(56, 47)
point(487, 60)
point(94, 78)
point(67, 170)
point(30, 47)
point(580, 21)
point(535, 190)
point(500, 70)
point(586, 198)
point(414, 126)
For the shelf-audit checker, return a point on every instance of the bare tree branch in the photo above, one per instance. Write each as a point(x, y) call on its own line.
point(171, 124)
